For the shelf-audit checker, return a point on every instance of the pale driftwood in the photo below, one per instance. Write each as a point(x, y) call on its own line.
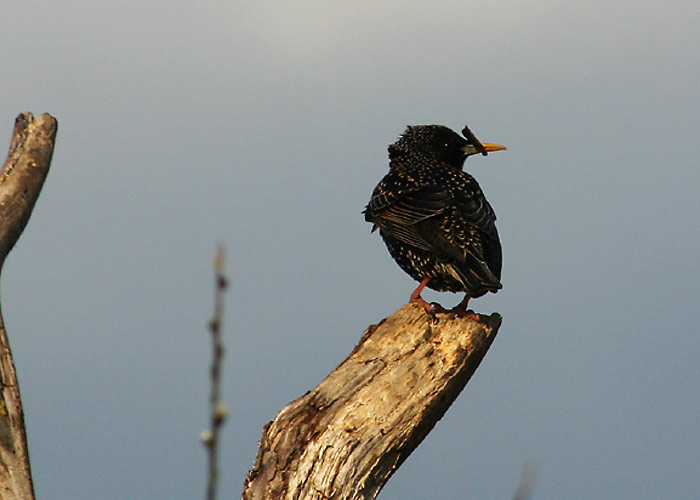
point(346, 437)
point(21, 179)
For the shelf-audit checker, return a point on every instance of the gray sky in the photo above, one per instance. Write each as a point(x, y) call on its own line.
point(264, 125)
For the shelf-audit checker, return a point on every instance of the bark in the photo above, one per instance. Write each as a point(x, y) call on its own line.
point(21, 179)
point(346, 437)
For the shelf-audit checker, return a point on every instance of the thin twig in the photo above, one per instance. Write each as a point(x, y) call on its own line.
point(218, 410)
point(469, 136)
point(527, 483)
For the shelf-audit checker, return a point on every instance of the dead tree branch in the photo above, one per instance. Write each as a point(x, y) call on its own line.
point(21, 180)
point(346, 437)
point(217, 409)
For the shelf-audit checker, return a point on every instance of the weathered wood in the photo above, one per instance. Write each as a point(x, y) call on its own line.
point(346, 437)
point(21, 180)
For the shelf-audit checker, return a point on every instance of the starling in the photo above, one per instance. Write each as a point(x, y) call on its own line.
point(433, 216)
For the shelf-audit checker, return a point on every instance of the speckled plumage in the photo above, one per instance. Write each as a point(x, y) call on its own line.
point(433, 216)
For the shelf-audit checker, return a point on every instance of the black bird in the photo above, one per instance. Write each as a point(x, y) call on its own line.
point(433, 216)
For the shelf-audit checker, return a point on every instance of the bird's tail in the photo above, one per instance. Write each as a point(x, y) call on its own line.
point(476, 276)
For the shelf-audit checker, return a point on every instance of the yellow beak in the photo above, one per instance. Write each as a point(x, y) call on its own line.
point(492, 147)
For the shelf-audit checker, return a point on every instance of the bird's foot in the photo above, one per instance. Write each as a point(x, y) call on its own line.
point(416, 298)
point(460, 310)
point(438, 309)
point(425, 305)
point(459, 313)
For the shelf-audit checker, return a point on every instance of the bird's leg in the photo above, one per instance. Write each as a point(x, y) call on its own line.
point(415, 296)
point(462, 306)
point(461, 309)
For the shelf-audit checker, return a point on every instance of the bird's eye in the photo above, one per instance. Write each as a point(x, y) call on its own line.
point(445, 145)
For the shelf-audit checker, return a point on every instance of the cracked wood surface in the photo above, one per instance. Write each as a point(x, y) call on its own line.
point(346, 437)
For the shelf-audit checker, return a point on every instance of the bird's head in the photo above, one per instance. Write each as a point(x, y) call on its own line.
point(440, 143)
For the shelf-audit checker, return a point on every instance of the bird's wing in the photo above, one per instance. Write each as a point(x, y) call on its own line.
point(473, 208)
point(454, 226)
point(456, 240)
point(397, 209)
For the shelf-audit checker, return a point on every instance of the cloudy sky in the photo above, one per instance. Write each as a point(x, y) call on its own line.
point(264, 125)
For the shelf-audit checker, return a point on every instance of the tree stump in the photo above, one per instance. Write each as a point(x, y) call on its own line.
point(346, 437)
